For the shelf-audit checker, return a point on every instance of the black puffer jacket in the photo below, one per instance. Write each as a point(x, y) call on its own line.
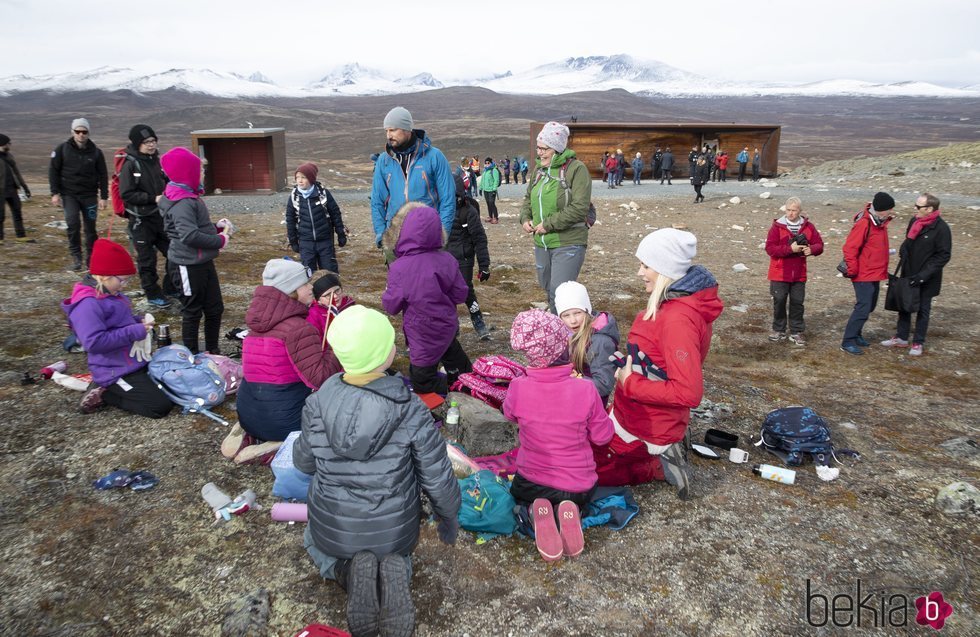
point(313, 218)
point(468, 237)
point(140, 181)
point(80, 172)
point(925, 256)
point(371, 449)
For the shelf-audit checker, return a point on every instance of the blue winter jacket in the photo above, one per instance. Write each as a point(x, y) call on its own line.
point(430, 181)
point(742, 158)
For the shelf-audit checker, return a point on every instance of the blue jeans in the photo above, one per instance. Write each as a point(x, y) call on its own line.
point(611, 177)
point(866, 299)
point(921, 322)
point(326, 563)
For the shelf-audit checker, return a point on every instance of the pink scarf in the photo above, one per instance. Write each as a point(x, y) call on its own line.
point(921, 223)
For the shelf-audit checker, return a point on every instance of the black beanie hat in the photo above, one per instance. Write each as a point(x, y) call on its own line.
point(883, 202)
point(324, 283)
point(140, 133)
point(4, 140)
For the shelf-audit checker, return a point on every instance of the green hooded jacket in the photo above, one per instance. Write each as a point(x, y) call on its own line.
point(544, 202)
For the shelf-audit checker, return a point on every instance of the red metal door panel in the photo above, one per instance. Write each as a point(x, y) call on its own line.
point(239, 164)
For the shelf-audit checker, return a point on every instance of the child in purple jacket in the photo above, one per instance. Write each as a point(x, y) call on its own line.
point(558, 415)
point(113, 337)
point(424, 282)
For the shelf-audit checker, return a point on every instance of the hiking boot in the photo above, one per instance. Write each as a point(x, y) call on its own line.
point(775, 337)
point(362, 595)
point(159, 302)
point(797, 339)
point(92, 400)
point(341, 573)
point(261, 453)
point(481, 328)
point(895, 341)
point(397, 616)
point(546, 536)
point(861, 342)
point(916, 349)
point(235, 441)
point(676, 470)
point(76, 263)
point(850, 348)
point(570, 527)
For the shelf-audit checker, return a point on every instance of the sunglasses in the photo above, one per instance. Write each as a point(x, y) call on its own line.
point(80, 132)
point(918, 207)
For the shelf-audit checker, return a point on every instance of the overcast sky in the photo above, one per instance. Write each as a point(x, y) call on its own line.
point(295, 43)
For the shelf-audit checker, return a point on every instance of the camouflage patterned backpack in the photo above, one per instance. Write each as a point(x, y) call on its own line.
point(792, 432)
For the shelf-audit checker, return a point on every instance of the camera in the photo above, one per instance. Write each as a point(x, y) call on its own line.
point(799, 239)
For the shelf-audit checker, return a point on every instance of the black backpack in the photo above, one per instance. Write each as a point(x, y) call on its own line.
point(792, 433)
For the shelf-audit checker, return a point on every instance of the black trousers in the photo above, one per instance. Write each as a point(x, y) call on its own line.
point(526, 492)
point(665, 174)
point(466, 269)
point(921, 321)
point(200, 295)
point(491, 198)
point(79, 212)
point(795, 292)
point(149, 237)
point(13, 201)
point(319, 255)
point(755, 172)
point(143, 397)
point(697, 190)
point(427, 380)
point(741, 171)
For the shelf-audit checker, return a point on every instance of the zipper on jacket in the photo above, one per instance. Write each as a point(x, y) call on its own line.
point(309, 209)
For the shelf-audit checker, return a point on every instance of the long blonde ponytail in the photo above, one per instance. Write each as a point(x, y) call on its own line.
point(657, 296)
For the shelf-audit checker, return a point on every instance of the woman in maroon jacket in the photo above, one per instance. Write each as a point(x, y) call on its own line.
point(792, 238)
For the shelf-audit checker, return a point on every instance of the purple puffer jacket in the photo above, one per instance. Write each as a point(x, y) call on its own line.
point(281, 347)
point(107, 329)
point(425, 283)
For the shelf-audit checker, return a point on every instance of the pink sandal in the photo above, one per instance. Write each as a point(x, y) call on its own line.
point(571, 528)
point(546, 536)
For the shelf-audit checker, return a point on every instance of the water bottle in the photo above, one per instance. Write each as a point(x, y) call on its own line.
point(776, 474)
point(452, 416)
point(59, 366)
point(163, 335)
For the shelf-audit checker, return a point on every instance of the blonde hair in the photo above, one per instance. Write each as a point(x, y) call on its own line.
point(578, 346)
point(657, 296)
point(100, 283)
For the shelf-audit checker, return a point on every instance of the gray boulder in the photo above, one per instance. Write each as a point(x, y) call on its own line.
point(482, 430)
point(958, 497)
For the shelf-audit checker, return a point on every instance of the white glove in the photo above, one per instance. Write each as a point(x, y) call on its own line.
point(141, 350)
point(226, 226)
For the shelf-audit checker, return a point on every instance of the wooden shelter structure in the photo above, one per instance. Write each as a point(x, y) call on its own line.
point(242, 159)
point(591, 140)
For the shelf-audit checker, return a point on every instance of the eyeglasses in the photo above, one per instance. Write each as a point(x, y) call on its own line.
point(918, 207)
point(123, 280)
point(80, 132)
point(543, 149)
point(149, 141)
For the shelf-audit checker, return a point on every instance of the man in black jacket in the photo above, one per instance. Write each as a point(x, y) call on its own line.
point(141, 182)
point(78, 177)
point(10, 181)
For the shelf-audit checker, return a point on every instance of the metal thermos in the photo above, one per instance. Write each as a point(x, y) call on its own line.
point(163, 335)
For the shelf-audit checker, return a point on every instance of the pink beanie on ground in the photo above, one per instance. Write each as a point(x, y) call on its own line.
point(542, 336)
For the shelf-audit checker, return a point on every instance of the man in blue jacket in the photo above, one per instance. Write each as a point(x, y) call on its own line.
point(410, 169)
point(742, 158)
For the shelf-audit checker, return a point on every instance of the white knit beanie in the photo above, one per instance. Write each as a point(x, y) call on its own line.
point(554, 135)
point(80, 122)
point(286, 275)
point(668, 251)
point(572, 295)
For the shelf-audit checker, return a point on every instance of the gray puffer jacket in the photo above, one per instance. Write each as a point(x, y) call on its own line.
point(371, 449)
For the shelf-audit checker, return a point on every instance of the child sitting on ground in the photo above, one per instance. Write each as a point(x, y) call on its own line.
point(595, 337)
point(328, 301)
point(424, 282)
point(312, 218)
point(371, 447)
point(558, 416)
point(113, 337)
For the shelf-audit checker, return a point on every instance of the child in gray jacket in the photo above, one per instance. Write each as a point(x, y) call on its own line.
point(371, 446)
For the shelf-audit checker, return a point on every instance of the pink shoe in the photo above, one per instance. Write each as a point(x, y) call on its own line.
point(571, 528)
point(546, 536)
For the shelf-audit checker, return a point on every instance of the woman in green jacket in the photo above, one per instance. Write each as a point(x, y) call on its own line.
point(555, 209)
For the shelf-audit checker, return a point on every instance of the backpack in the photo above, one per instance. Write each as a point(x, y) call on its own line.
point(192, 382)
point(231, 371)
point(487, 505)
point(118, 161)
point(590, 216)
point(793, 432)
point(489, 379)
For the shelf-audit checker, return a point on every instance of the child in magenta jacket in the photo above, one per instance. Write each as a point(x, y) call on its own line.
point(558, 415)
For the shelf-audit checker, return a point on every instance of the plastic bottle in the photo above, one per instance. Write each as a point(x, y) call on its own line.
point(452, 416)
point(215, 497)
point(58, 366)
point(290, 512)
point(776, 474)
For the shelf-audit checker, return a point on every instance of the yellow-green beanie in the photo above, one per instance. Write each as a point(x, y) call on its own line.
point(361, 339)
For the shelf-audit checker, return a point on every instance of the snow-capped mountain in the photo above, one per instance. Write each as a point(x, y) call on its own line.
point(593, 73)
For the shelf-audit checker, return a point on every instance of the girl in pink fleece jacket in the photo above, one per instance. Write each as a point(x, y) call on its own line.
point(558, 415)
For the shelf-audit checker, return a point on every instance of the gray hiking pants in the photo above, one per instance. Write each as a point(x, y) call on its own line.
point(556, 266)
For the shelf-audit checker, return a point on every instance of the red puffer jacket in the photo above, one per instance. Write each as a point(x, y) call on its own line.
point(784, 264)
point(866, 248)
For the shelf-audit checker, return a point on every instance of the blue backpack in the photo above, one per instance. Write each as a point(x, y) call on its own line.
point(192, 382)
point(793, 432)
point(487, 506)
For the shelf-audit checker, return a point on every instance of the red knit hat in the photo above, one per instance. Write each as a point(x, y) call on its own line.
point(111, 259)
point(309, 171)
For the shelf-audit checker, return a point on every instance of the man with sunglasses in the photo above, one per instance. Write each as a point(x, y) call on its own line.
point(80, 184)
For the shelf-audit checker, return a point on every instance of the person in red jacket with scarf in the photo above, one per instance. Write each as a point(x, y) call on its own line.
point(866, 257)
point(792, 238)
point(651, 410)
point(926, 250)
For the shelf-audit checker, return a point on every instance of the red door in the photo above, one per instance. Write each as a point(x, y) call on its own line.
point(239, 164)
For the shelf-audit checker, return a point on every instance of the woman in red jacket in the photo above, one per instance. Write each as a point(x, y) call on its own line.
point(792, 238)
point(654, 395)
point(866, 256)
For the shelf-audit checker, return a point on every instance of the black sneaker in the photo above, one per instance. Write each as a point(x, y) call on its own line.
point(362, 595)
point(676, 470)
point(397, 609)
point(77, 265)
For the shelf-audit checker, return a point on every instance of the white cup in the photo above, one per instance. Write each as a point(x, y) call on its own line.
point(737, 455)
